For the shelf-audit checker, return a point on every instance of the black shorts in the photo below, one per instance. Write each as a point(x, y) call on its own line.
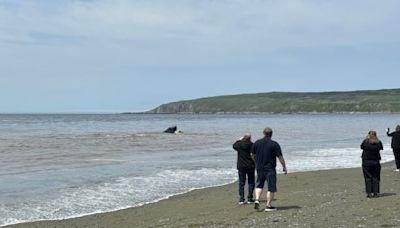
point(269, 176)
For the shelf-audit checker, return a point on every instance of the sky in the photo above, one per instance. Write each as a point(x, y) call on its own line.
point(133, 55)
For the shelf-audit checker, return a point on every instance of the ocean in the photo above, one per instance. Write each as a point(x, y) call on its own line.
point(56, 166)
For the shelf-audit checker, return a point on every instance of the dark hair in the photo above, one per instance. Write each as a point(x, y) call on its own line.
point(267, 132)
point(398, 128)
point(372, 138)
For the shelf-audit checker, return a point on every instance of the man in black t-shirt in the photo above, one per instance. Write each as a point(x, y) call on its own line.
point(265, 151)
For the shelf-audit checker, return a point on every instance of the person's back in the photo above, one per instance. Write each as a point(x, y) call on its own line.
point(244, 159)
point(371, 147)
point(395, 145)
point(266, 151)
point(371, 151)
point(395, 138)
point(245, 166)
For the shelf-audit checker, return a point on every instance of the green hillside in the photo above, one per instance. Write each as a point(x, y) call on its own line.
point(286, 102)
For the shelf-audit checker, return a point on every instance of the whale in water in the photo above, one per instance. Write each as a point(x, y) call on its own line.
point(173, 130)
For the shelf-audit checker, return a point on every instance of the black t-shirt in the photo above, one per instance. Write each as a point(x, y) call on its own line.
point(266, 152)
point(371, 151)
point(244, 160)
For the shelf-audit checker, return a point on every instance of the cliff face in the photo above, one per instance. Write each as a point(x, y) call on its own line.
point(280, 102)
point(175, 107)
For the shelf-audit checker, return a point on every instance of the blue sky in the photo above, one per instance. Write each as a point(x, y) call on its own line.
point(120, 55)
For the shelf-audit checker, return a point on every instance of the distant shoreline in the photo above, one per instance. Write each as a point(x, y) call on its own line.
point(208, 113)
point(254, 113)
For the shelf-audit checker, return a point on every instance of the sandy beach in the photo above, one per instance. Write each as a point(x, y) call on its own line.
point(331, 198)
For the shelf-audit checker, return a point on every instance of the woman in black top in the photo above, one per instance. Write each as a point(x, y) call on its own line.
point(371, 147)
point(395, 145)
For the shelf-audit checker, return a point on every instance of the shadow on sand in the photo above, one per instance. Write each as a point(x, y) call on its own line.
point(285, 208)
point(386, 194)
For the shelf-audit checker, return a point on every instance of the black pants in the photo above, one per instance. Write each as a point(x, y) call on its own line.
point(396, 153)
point(242, 181)
point(372, 175)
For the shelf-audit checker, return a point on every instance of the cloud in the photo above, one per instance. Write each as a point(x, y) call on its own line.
point(115, 20)
point(135, 48)
point(97, 36)
point(266, 23)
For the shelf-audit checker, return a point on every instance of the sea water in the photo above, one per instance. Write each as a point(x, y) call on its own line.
point(55, 166)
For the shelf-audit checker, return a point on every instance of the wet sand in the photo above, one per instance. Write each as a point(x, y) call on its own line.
point(332, 198)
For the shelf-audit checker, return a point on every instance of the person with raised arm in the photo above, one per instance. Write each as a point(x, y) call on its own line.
point(245, 166)
point(395, 145)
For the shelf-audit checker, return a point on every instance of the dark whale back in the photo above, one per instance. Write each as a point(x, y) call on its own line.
point(171, 129)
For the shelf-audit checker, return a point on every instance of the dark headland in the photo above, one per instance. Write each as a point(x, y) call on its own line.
point(365, 101)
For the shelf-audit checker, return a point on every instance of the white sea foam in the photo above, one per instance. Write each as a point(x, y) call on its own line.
point(330, 158)
point(122, 193)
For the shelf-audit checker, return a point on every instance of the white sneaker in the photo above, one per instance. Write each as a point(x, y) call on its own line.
point(241, 203)
point(397, 170)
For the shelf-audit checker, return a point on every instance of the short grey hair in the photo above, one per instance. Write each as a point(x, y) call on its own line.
point(246, 136)
point(267, 132)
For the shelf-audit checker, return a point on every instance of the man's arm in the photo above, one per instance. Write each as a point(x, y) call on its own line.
point(282, 161)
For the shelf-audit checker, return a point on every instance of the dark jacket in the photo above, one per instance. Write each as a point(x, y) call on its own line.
point(244, 160)
point(395, 139)
point(371, 151)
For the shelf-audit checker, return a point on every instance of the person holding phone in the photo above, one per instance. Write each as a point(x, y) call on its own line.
point(395, 145)
point(245, 167)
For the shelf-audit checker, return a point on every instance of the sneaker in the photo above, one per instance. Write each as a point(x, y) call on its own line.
point(256, 204)
point(241, 203)
point(270, 208)
point(376, 195)
point(250, 202)
point(369, 195)
point(397, 170)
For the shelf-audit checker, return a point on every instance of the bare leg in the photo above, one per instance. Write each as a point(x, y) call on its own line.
point(258, 193)
point(270, 197)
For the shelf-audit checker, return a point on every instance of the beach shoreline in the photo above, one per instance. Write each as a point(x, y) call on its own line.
point(305, 199)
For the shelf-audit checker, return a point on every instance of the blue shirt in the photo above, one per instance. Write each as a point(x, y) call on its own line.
point(266, 152)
